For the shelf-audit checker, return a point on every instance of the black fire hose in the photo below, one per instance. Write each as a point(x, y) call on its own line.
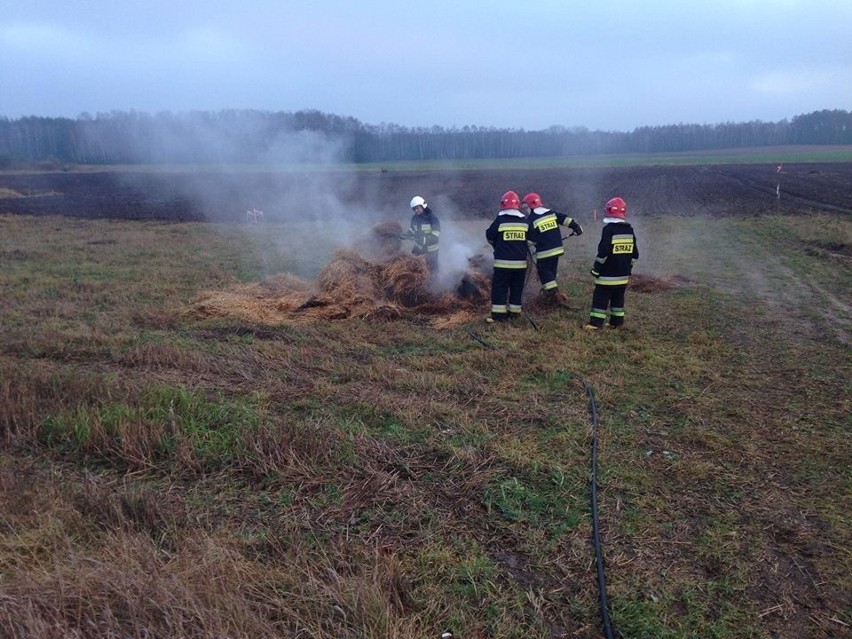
point(530, 320)
point(481, 341)
point(596, 529)
point(526, 281)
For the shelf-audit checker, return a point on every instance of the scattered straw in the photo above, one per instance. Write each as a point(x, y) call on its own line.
point(374, 281)
point(652, 284)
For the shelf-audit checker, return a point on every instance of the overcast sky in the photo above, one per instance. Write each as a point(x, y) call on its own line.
point(609, 65)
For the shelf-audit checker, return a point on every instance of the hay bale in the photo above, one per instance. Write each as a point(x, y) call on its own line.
point(406, 279)
point(381, 243)
point(347, 275)
point(351, 286)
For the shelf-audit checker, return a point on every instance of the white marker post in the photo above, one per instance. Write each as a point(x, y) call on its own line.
point(778, 187)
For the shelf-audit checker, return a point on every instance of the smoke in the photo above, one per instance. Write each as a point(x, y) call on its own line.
point(297, 203)
point(219, 167)
point(455, 258)
point(306, 148)
point(313, 201)
point(458, 247)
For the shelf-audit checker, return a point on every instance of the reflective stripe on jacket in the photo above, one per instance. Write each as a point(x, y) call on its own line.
point(425, 230)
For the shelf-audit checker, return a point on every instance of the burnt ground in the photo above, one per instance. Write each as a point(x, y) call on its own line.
point(733, 189)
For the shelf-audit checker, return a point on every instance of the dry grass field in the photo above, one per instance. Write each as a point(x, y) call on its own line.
point(219, 429)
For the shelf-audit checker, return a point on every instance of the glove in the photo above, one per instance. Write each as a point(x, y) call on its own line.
point(578, 230)
point(417, 250)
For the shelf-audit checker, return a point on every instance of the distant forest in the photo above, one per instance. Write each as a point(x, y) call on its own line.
point(260, 137)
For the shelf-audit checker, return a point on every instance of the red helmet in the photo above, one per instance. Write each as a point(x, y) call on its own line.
point(533, 200)
point(616, 207)
point(510, 200)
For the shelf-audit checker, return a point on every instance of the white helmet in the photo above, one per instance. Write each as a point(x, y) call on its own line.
point(417, 201)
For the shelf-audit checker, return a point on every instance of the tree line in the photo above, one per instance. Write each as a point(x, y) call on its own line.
point(261, 137)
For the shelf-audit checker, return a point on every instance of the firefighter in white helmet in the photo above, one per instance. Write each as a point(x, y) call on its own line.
point(425, 230)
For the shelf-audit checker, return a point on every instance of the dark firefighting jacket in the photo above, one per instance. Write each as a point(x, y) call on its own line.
point(508, 235)
point(545, 235)
point(617, 251)
point(425, 230)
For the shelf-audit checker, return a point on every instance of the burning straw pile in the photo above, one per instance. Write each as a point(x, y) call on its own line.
point(388, 286)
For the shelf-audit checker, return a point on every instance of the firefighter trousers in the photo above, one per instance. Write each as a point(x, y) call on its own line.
point(608, 297)
point(546, 269)
point(432, 262)
point(507, 283)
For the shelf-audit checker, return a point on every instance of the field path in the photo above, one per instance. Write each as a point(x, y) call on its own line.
point(714, 252)
point(795, 301)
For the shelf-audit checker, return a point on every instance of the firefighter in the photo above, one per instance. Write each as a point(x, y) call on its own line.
point(508, 235)
point(617, 252)
point(425, 230)
point(546, 238)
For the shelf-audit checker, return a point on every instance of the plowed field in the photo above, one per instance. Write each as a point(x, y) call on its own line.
point(736, 189)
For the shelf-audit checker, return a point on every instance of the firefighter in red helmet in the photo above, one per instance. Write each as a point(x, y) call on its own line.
point(508, 235)
point(617, 253)
point(546, 238)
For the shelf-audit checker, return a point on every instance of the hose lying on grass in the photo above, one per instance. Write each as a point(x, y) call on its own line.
point(596, 532)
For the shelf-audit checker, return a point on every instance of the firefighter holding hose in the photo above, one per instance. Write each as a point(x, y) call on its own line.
point(425, 230)
point(546, 238)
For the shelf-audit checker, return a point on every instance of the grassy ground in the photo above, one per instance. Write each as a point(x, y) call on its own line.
point(165, 476)
point(746, 155)
point(743, 155)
